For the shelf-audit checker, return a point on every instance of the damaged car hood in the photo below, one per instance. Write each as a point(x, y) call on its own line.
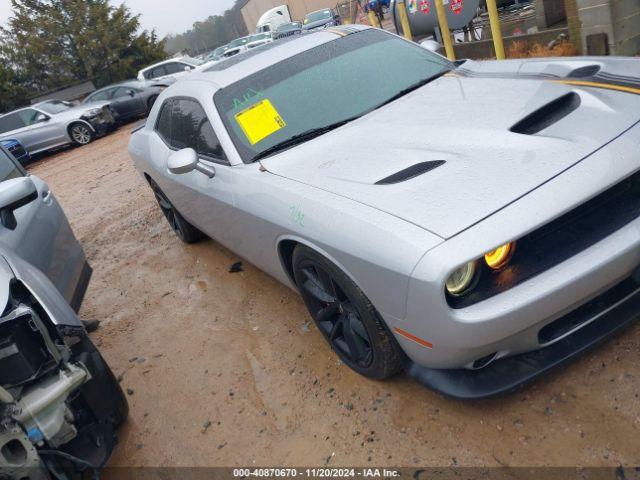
point(460, 148)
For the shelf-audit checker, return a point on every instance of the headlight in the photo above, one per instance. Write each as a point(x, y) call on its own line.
point(461, 279)
point(499, 257)
point(93, 112)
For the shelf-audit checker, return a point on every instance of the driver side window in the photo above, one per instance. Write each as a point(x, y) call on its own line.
point(29, 116)
point(183, 123)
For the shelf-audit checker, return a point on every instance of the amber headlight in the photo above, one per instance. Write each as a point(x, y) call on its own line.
point(461, 279)
point(498, 258)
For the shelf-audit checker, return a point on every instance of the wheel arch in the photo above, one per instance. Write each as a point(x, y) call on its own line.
point(287, 244)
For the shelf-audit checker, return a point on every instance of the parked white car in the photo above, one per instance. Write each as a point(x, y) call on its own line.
point(167, 72)
point(237, 46)
point(259, 39)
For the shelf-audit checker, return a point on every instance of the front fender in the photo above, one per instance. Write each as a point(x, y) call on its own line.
point(59, 311)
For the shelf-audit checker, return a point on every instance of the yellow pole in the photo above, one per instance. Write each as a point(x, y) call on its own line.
point(444, 30)
point(498, 44)
point(404, 20)
point(373, 19)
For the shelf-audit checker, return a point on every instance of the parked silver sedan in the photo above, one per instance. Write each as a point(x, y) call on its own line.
point(476, 224)
point(54, 123)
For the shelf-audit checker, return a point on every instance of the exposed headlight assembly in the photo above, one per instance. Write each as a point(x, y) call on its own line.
point(464, 278)
point(499, 257)
point(93, 112)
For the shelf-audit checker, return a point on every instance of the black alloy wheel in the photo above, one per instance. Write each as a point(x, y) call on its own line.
point(344, 316)
point(183, 229)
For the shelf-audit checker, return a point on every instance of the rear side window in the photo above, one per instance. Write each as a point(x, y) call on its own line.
point(163, 124)
point(156, 72)
point(174, 68)
point(183, 123)
point(10, 122)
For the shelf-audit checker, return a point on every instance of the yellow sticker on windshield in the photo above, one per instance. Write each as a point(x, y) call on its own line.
point(259, 121)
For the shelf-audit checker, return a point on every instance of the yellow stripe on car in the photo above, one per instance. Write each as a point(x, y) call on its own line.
point(337, 32)
point(606, 86)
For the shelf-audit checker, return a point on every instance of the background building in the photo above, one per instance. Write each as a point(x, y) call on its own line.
point(596, 27)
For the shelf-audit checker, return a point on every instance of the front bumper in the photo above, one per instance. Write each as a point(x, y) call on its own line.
point(511, 325)
point(508, 374)
point(103, 122)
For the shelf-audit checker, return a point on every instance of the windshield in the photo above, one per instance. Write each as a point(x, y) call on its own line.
point(338, 80)
point(239, 41)
point(316, 16)
point(55, 106)
point(289, 26)
point(193, 61)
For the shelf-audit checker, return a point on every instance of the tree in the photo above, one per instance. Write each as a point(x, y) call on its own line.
point(12, 93)
point(209, 34)
point(51, 43)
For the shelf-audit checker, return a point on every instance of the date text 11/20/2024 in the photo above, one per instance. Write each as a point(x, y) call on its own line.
point(316, 472)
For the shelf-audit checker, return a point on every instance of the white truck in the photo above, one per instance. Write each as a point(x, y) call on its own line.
point(272, 19)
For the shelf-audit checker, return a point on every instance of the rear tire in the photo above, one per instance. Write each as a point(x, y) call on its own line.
point(183, 229)
point(345, 316)
point(80, 133)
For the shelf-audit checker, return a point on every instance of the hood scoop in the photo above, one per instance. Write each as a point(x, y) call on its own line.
point(410, 172)
point(547, 115)
point(584, 72)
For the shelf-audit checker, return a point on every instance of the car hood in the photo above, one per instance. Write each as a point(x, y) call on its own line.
point(79, 110)
point(463, 124)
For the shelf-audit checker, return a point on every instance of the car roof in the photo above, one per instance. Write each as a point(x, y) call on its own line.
point(124, 83)
point(170, 60)
point(235, 68)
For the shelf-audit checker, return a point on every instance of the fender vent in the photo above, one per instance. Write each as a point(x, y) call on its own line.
point(410, 172)
point(546, 116)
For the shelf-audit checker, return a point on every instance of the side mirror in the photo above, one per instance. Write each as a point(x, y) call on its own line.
point(431, 45)
point(131, 93)
point(42, 118)
point(185, 161)
point(15, 193)
point(187, 68)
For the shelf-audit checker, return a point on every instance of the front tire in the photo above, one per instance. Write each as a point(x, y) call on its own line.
point(183, 229)
point(80, 133)
point(345, 316)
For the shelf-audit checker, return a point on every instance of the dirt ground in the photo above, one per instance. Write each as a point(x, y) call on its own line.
point(225, 369)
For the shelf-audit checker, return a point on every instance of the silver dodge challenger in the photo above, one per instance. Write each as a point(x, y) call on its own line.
point(474, 223)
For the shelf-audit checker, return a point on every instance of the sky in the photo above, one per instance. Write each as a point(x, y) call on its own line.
point(166, 16)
